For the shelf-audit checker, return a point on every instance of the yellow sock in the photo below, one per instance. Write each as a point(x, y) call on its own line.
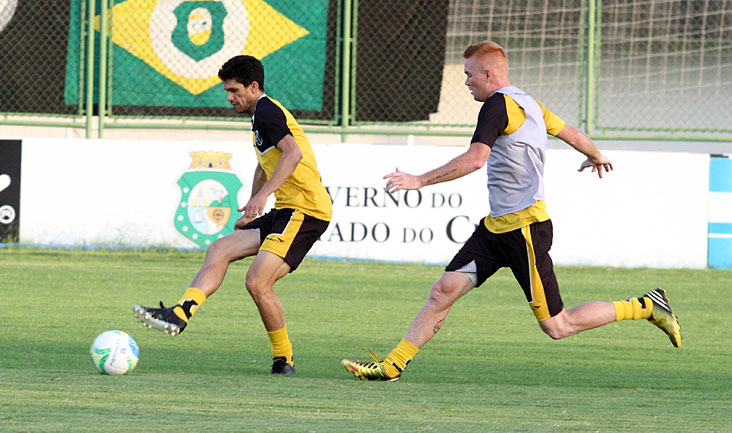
point(632, 309)
point(398, 359)
point(281, 345)
point(189, 303)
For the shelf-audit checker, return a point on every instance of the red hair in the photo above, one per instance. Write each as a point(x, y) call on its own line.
point(492, 53)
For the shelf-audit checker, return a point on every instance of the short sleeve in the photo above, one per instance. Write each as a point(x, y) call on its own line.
point(554, 123)
point(271, 123)
point(492, 120)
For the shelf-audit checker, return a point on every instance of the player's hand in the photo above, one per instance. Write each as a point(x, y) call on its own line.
point(597, 164)
point(242, 221)
point(400, 180)
point(253, 209)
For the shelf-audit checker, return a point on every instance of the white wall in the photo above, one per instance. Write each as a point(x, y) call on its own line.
point(651, 211)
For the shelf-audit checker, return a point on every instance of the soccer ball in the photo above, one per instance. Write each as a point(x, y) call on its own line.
point(114, 352)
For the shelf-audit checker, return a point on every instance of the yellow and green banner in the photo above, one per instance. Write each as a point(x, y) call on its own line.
point(167, 53)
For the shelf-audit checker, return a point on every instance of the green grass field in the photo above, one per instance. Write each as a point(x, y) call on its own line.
point(490, 369)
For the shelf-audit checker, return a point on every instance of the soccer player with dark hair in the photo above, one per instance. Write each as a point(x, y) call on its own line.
point(511, 137)
point(280, 238)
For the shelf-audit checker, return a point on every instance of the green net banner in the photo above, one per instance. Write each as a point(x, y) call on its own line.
point(413, 36)
point(168, 53)
point(33, 39)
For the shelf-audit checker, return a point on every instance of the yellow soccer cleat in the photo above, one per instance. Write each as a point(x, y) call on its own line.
point(663, 317)
point(368, 370)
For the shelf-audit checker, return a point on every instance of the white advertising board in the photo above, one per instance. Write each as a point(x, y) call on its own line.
point(651, 211)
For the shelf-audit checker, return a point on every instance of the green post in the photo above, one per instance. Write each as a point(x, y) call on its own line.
point(346, 75)
point(103, 34)
point(90, 69)
point(590, 104)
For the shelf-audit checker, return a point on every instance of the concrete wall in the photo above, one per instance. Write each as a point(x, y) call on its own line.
point(651, 211)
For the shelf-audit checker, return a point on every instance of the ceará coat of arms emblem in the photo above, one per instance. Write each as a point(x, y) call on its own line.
point(208, 201)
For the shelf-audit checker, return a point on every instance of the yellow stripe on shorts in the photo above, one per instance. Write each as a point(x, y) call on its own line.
point(280, 243)
point(538, 303)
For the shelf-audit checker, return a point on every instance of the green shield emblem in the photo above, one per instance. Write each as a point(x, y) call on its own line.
point(214, 13)
point(208, 204)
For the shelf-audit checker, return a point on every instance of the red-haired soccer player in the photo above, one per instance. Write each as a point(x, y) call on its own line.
point(511, 138)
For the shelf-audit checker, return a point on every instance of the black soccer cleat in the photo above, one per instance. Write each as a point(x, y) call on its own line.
point(162, 319)
point(280, 366)
point(663, 317)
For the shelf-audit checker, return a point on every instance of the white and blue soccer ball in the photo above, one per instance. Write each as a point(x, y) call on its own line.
point(114, 352)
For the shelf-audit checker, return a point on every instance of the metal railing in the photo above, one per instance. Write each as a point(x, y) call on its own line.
point(643, 70)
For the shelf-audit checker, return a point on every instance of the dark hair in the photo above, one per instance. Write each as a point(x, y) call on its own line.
point(244, 69)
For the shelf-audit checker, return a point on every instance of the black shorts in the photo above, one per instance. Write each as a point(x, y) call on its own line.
point(287, 233)
point(526, 252)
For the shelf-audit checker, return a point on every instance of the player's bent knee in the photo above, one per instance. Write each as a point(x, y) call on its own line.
point(555, 327)
point(224, 250)
point(441, 294)
point(255, 285)
point(217, 250)
point(554, 334)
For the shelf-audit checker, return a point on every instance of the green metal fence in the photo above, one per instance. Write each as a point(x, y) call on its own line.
point(33, 48)
point(620, 69)
point(668, 64)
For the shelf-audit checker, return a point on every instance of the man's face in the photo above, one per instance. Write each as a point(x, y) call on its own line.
point(477, 79)
point(242, 98)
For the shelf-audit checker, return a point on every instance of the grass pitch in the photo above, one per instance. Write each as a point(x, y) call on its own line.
point(490, 369)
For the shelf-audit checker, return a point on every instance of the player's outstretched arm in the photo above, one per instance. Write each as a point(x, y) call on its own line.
point(473, 159)
point(583, 144)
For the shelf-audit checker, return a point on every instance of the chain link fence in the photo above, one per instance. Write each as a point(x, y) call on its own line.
point(544, 41)
point(610, 66)
point(165, 56)
point(665, 66)
point(399, 60)
point(33, 47)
